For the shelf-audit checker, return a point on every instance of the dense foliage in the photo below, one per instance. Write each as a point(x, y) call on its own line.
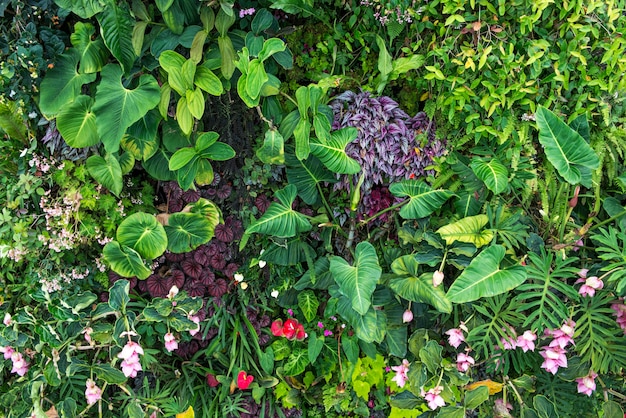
point(312, 208)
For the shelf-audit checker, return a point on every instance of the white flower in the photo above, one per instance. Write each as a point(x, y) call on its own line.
point(238, 277)
point(244, 285)
point(262, 263)
point(32, 115)
point(274, 293)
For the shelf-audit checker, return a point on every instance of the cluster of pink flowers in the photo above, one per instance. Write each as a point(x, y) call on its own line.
point(20, 366)
point(401, 373)
point(327, 332)
point(433, 397)
point(246, 12)
point(620, 311)
point(455, 338)
point(130, 358)
point(93, 393)
point(587, 384)
point(554, 353)
point(170, 342)
point(591, 284)
point(526, 341)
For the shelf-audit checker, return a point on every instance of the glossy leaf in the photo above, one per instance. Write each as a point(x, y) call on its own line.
point(93, 51)
point(493, 173)
point(308, 304)
point(315, 346)
point(469, 229)
point(143, 233)
point(296, 362)
point(484, 277)
point(172, 62)
point(11, 121)
point(187, 231)
point(195, 102)
point(83, 8)
point(306, 175)
point(227, 52)
point(256, 77)
point(474, 398)
point(359, 280)
point(184, 116)
point(208, 81)
point(157, 166)
point(205, 140)
point(423, 200)
point(125, 261)
point(273, 149)
point(106, 171)
point(270, 47)
point(116, 26)
point(219, 151)
point(77, 123)
point(141, 137)
point(333, 153)
point(302, 135)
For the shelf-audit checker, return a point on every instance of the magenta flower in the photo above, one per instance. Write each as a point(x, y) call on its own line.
point(464, 362)
point(526, 341)
point(19, 364)
point(620, 312)
point(170, 342)
point(401, 373)
point(455, 337)
point(587, 384)
point(554, 357)
point(130, 356)
point(320, 324)
point(407, 316)
point(433, 397)
point(592, 284)
point(327, 333)
point(93, 393)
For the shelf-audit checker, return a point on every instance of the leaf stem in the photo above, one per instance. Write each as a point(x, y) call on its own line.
point(606, 221)
point(376, 215)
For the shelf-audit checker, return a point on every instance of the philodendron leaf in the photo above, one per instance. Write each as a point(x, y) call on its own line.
point(333, 152)
point(423, 200)
point(106, 171)
point(116, 26)
point(412, 286)
point(143, 233)
point(83, 8)
point(493, 173)
point(306, 175)
point(568, 152)
point(358, 281)
point(117, 107)
point(93, 52)
point(484, 277)
point(141, 139)
point(62, 84)
point(308, 303)
point(125, 261)
point(187, 231)
point(77, 123)
point(273, 149)
point(469, 229)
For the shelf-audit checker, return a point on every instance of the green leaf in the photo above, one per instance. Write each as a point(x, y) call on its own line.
point(484, 277)
point(218, 152)
point(106, 171)
point(227, 52)
point(358, 281)
point(296, 362)
point(430, 354)
point(544, 407)
point(417, 288)
point(315, 346)
point(270, 47)
point(118, 295)
point(107, 373)
point(294, 7)
point(467, 230)
point(11, 122)
point(186, 231)
point(125, 261)
point(493, 173)
point(77, 123)
point(116, 26)
point(141, 137)
point(143, 233)
point(368, 328)
point(302, 134)
point(333, 154)
point(322, 127)
point(184, 116)
point(157, 166)
point(93, 52)
point(306, 175)
point(195, 102)
point(83, 8)
point(188, 71)
point(117, 108)
point(396, 341)
point(205, 140)
point(273, 149)
point(208, 81)
point(384, 58)
point(256, 78)
point(423, 200)
point(308, 304)
point(474, 398)
point(139, 33)
point(172, 62)
point(612, 409)
point(266, 360)
point(62, 84)
point(451, 412)
point(568, 152)
point(263, 20)
point(581, 125)
point(127, 162)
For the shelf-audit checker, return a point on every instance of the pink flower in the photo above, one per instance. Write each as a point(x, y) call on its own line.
point(526, 341)
point(172, 293)
point(327, 333)
point(510, 341)
point(407, 316)
point(87, 333)
point(437, 278)
point(455, 337)
point(587, 384)
point(620, 313)
point(554, 357)
point(130, 356)
point(7, 351)
point(401, 373)
point(93, 393)
point(433, 398)
point(19, 364)
point(195, 319)
point(320, 324)
point(8, 319)
point(562, 336)
point(464, 362)
point(170, 342)
point(591, 285)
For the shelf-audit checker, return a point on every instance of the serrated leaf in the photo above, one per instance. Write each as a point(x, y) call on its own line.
point(469, 230)
point(333, 153)
point(106, 171)
point(116, 27)
point(77, 123)
point(493, 173)
point(423, 200)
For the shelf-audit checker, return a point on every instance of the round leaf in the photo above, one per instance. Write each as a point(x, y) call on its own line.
point(187, 231)
point(143, 233)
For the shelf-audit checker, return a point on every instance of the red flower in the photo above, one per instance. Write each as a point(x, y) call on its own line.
point(211, 380)
point(290, 329)
point(244, 380)
point(300, 334)
point(277, 328)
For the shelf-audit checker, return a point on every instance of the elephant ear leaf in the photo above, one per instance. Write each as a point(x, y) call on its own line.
point(566, 149)
point(423, 200)
point(116, 25)
point(107, 171)
point(484, 277)
point(469, 229)
point(332, 153)
point(77, 123)
point(493, 173)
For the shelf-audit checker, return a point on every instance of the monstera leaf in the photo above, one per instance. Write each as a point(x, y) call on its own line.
point(568, 152)
point(117, 107)
point(358, 281)
point(423, 200)
point(415, 287)
point(493, 173)
point(306, 175)
point(107, 171)
point(484, 277)
point(467, 230)
point(77, 123)
point(332, 153)
point(144, 234)
point(125, 261)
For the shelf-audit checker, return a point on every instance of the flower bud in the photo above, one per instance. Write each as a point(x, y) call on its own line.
point(437, 278)
point(407, 316)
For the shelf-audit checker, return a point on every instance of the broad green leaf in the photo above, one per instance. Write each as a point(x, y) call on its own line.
point(125, 261)
point(266, 360)
point(612, 409)
point(172, 62)
point(241, 89)
point(263, 20)
point(62, 84)
point(423, 200)
point(107, 373)
point(141, 137)
point(396, 341)
point(188, 72)
point(219, 151)
point(280, 220)
point(467, 230)
point(568, 152)
point(11, 122)
point(93, 52)
point(430, 354)
point(143, 233)
point(306, 175)
point(358, 281)
point(294, 7)
point(186, 231)
point(106, 171)
point(270, 47)
point(195, 102)
point(308, 304)
point(197, 46)
point(118, 295)
point(544, 407)
point(224, 21)
point(316, 344)
point(127, 162)
point(208, 81)
point(83, 8)
point(77, 123)
point(302, 134)
point(205, 174)
point(273, 149)
point(296, 362)
point(370, 327)
point(256, 77)
point(322, 127)
point(174, 19)
point(271, 87)
point(116, 27)
point(139, 33)
point(187, 174)
point(412, 286)
point(164, 5)
point(493, 173)
point(184, 116)
point(205, 140)
point(117, 107)
point(384, 58)
point(164, 100)
point(227, 52)
point(581, 125)
point(451, 412)
point(474, 398)
point(333, 154)
point(484, 277)
point(157, 166)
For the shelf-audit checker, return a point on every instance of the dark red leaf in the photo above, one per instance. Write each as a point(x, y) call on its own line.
point(218, 288)
point(191, 268)
point(224, 233)
point(158, 287)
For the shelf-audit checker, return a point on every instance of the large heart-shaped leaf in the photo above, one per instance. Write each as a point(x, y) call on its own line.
point(116, 26)
point(423, 200)
point(297, 362)
point(93, 51)
point(273, 149)
point(83, 8)
point(333, 153)
point(493, 173)
point(117, 107)
point(280, 220)
point(125, 261)
point(484, 277)
point(370, 327)
point(187, 231)
point(568, 152)
point(468, 229)
point(77, 123)
point(358, 281)
point(141, 137)
point(144, 234)
point(62, 84)
point(306, 175)
point(106, 171)
point(415, 287)
point(158, 166)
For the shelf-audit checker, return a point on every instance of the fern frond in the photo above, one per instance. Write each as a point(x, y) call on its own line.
point(612, 250)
